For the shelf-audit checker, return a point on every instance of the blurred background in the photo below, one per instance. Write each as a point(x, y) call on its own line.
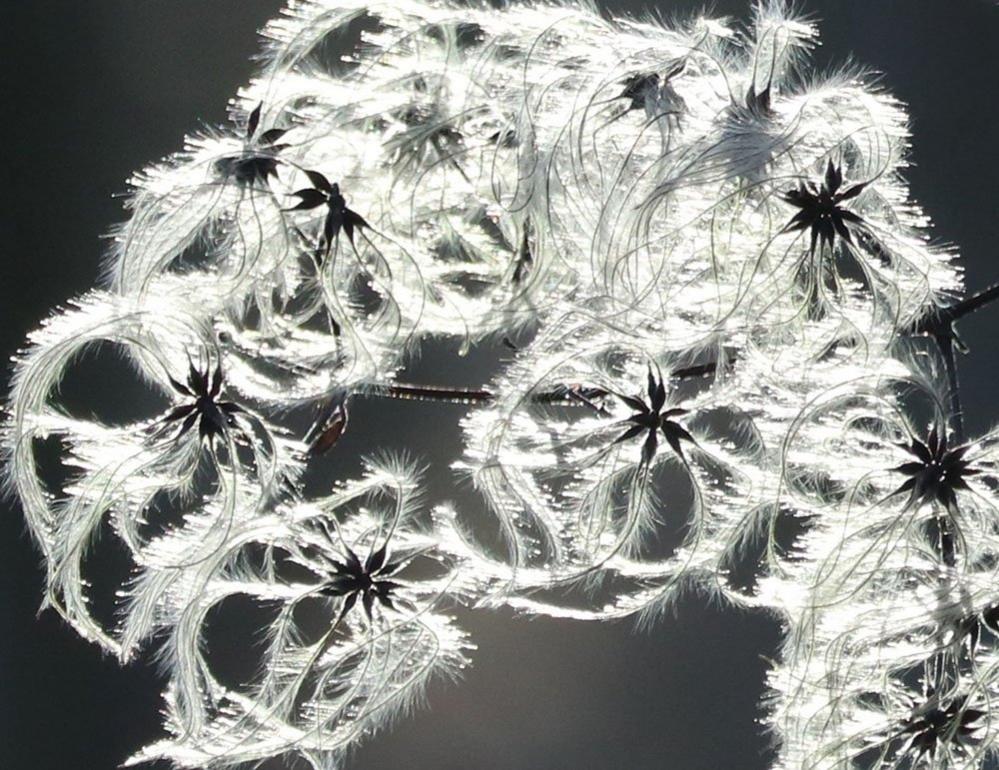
point(96, 90)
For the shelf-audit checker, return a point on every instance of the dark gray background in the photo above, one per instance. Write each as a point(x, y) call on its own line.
point(93, 90)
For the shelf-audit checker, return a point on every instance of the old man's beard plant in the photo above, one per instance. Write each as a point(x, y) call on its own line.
point(723, 342)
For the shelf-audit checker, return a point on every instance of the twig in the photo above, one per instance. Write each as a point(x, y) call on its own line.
point(568, 395)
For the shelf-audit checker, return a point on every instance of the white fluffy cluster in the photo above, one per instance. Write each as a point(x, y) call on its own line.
point(705, 270)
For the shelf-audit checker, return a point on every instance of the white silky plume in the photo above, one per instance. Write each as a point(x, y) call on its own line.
point(701, 270)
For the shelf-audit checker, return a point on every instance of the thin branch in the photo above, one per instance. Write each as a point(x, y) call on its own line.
point(568, 395)
point(439, 393)
point(970, 304)
point(940, 322)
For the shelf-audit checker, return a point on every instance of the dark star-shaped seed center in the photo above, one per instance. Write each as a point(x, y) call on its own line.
point(652, 418)
point(953, 723)
point(937, 473)
point(338, 216)
point(258, 161)
point(821, 210)
point(214, 417)
point(352, 579)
